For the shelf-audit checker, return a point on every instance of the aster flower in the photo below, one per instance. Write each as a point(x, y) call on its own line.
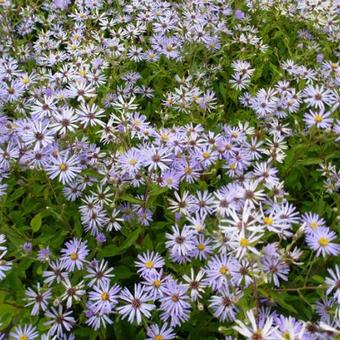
point(202, 248)
point(123, 105)
point(243, 272)
point(275, 267)
point(155, 284)
point(254, 330)
point(65, 121)
point(44, 254)
point(45, 108)
point(289, 328)
point(137, 304)
point(206, 156)
point(8, 154)
point(81, 91)
point(114, 221)
point(39, 135)
point(38, 299)
point(59, 321)
point(156, 158)
point(194, 284)
point(266, 174)
point(320, 119)
point(131, 161)
point(189, 170)
point(251, 195)
point(324, 308)
point(246, 219)
point(4, 265)
point(223, 306)
point(2, 240)
point(72, 292)
point(28, 332)
point(104, 297)
point(98, 273)
point(239, 81)
point(242, 242)
point(203, 203)
point(333, 283)
point(89, 115)
point(218, 271)
point(312, 221)
point(148, 263)
point(170, 179)
point(102, 196)
point(180, 242)
point(321, 242)
point(154, 332)
point(56, 273)
point(95, 319)
point(317, 96)
point(74, 254)
point(182, 204)
point(174, 303)
point(64, 167)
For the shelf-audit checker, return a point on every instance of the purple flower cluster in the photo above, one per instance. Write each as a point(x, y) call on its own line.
point(77, 109)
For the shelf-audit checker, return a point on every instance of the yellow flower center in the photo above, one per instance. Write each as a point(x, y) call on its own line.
point(223, 270)
point(63, 167)
point(25, 80)
point(206, 155)
point(286, 336)
point(233, 166)
point(169, 48)
point(133, 161)
point(314, 225)
point(158, 337)
point(323, 241)
point(268, 220)
point(74, 256)
point(149, 264)
point(136, 122)
point(104, 296)
point(234, 134)
point(200, 246)
point(318, 118)
point(188, 170)
point(165, 136)
point(22, 337)
point(157, 283)
point(170, 180)
point(244, 242)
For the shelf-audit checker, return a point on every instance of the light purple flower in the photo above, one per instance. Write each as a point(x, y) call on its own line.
point(138, 304)
point(320, 241)
point(74, 254)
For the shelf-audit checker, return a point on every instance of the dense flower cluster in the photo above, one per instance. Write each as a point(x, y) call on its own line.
point(84, 103)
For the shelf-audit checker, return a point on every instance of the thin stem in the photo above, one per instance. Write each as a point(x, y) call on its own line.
point(297, 289)
point(59, 204)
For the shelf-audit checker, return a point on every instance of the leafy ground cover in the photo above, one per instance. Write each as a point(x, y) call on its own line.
point(169, 169)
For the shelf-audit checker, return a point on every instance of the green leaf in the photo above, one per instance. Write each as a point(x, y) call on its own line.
point(130, 199)
point(113, 250)
point(36, 222)
point(280, 299)
point(310, 161)
point(123, 272)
